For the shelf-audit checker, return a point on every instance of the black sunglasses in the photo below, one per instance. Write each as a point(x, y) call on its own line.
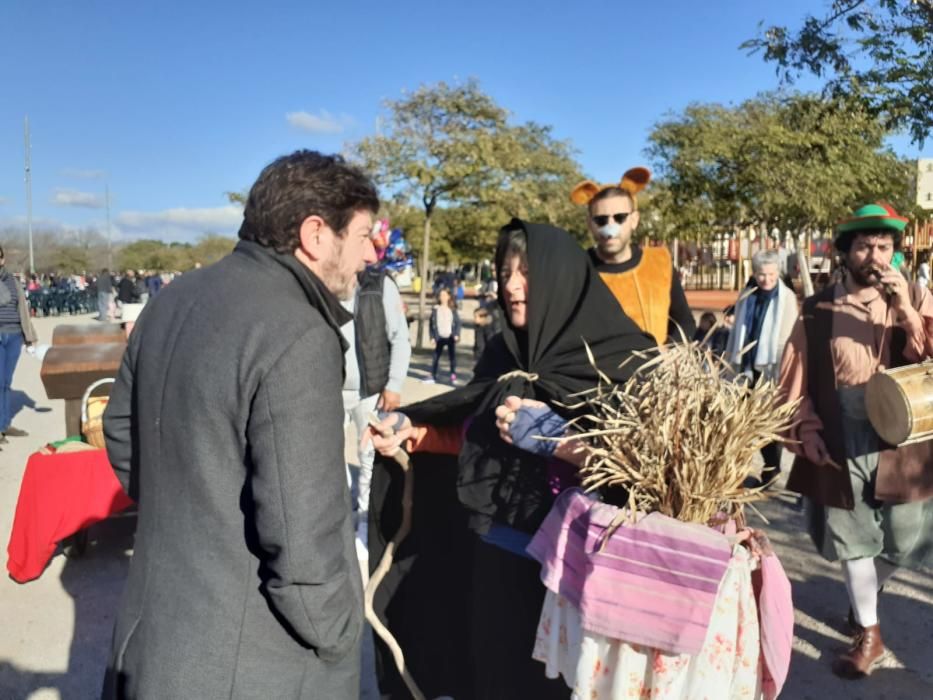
point(603, 219)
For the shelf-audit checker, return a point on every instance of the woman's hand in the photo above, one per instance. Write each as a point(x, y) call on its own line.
point(755, 541)
point(389, 434)
point(521, 422)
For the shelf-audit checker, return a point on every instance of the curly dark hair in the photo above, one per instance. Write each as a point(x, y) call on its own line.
point(299, 185)
point(843, 241)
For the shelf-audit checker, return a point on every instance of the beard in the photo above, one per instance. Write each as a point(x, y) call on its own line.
point(864, 276)
point(340, 283)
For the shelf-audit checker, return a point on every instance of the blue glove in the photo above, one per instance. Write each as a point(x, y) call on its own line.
point(532, 422)
point(399, 418)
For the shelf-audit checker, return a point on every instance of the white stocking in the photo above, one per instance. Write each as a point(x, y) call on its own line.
point(885, 570)
point(862, 584)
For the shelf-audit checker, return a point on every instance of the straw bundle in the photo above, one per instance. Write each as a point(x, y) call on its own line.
point(681, 435)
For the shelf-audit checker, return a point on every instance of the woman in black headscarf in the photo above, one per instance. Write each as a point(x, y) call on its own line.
point(463, 599)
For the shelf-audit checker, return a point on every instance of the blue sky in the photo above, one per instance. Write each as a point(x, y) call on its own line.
point(170, 104)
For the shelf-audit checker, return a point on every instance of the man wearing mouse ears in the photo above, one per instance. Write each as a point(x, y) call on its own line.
point(869, 503)
point(642, 279)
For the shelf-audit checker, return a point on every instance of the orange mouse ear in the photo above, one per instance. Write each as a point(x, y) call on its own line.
point(584, 192)
point(635, 180)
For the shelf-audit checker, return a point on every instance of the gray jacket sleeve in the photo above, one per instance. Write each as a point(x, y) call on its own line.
point(301, 500)
point(397, 332)
point(25, 320)
point(118, 428)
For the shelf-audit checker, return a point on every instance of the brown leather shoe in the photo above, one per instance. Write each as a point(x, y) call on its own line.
point(860, 659)
point(15, 432)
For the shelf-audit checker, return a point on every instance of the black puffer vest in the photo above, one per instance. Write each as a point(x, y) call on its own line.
point(373, 351)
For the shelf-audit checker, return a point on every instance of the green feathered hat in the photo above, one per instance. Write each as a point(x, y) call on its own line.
point(873, 217)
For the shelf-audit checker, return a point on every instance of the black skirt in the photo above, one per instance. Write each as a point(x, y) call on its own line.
point(506, 605)
point(424, 599)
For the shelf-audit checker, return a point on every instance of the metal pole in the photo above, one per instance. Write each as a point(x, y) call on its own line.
point(739, 262)
point(109, 233)
point(32, 258)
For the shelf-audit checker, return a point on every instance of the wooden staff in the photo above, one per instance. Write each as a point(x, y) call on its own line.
point(403, 460)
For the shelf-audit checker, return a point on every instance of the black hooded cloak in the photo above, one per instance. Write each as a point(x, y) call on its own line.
point(424, 598)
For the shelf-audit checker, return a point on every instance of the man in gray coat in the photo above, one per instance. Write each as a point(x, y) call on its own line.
point(225, 424)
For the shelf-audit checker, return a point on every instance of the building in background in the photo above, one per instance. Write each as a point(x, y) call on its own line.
point(925, 183)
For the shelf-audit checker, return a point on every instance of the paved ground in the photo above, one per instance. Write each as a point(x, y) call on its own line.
point(55, 631)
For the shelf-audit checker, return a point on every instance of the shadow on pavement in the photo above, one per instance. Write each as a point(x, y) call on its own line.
point(95, 584)
point(821, 629)
point(20, 400)
point(421, 361)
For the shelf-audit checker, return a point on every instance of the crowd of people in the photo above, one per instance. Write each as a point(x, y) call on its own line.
point(226, 426)
point(133, 287)
point(55, 293)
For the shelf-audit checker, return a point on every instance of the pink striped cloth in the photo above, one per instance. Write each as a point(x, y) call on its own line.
point(653, 583)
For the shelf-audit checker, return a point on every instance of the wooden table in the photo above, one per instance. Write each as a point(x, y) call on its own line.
point(68, 370)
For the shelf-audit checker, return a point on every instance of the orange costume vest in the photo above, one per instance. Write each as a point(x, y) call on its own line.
point(645, 291)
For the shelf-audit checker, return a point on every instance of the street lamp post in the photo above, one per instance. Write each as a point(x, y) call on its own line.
point(109, 233)
point(32, 258)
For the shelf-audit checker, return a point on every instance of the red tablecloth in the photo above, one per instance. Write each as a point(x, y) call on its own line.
point(60, 495)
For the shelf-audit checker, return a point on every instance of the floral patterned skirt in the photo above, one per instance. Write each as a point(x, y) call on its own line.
point(600, 668)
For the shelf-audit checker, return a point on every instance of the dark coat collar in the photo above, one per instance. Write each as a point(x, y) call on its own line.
point(319, 296)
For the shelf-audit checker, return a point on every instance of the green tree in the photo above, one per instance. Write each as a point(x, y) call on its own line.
point(146, 254)
point(451, 146)
point(210, 248)
point(797, 162)
point(71, 259)
point(72, 251)
point(880, 51)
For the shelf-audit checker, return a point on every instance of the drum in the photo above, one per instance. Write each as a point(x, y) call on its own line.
point(899, 403)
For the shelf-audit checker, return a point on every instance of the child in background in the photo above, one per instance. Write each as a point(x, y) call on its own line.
point(718, 339)
point(707, 321)
point(445, 332)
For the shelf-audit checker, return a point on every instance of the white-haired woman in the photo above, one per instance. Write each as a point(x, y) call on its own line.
point(764, 315)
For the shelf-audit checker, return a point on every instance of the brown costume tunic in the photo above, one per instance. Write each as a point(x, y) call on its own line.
point(840, 341)
point(837, 345)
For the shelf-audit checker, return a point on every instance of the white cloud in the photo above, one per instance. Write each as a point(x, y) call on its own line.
point(82, 174)
point(180, 223)
point(4, 200)
point(322, 123)
point(73, 198)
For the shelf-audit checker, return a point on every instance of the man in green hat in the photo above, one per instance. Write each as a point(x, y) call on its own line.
point(868, 501)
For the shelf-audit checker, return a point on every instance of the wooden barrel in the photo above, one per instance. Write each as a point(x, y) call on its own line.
point(900, 403)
